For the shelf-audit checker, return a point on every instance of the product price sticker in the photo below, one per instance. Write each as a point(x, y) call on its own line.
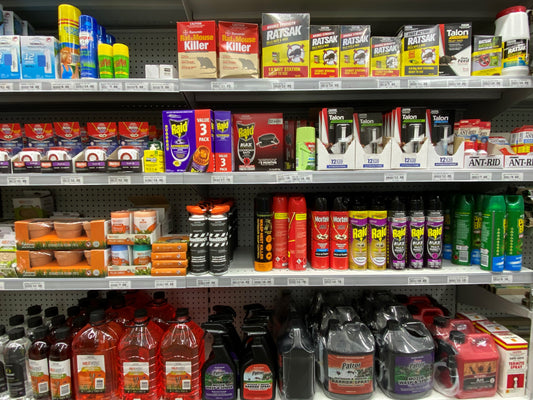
point(62, 86)
point(297, 281)
point(206, 282)
point(332, 281)
point(6, 87)
point(89, 86)
point(263, 282)
point(111, 86)
point(458, 279)
point(502, 278)
point(31, 86)
point(221, 85)
point(71, 180)
point(481, 176)
point(119, 285)
point(162, 86)
point(418, 280)
point(442, 176)
point(155, 180)
point(283, 85)
point(389, 84)
point(419, 84)
point(166, 284)
point(222, 179)
point(119, 180)
point(136, 86)
point(395, 177)
point(241, 282)
point(520, 83)
point(329, 85)
point(494, 83)
point(33, 285)
point(18, 180)
point(2, 286)
point(512, 176)
point(457, 83)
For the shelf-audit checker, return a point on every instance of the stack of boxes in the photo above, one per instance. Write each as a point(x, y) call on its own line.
point(170, 256)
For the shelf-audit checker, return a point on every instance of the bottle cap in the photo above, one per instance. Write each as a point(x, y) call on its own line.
point(58, 321)
point(440, 321)
point(84, 303)
point(434, 203)
point(16, 333)
point(51, 312)
point(79, 321)
point(34, 310)
point(140, 313)
point(40, 332)
point(2, 330)
point(73, 311)
point(263, 203)
point(93, 294)
point(339, 204)
point(120, 49)
point(159, 295)
point(182, 312)
point(62, 333)
point(105, 49)
point(397, 204)
point(321, 204)
point(118, 301)
point(97, 316)
point(416, 204)
point(457, 337)
point(34, 322)
point(15, 320)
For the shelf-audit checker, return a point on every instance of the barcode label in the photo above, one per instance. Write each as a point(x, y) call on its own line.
point(419, 84)
point(18, 180)
point(62, 86)
point(222, 179)
point(457, 83)
point(463, 256)
point(297, 282)
point(6, 87)
point(162, 87)
point(119, 180)
point(33, 285)
point(222, 85)
point(520, 83)
point(517, 176)
point(111, 86)
point(241, 282)
point(155, 180)
point(186, 384)
point(120, 285)
point(396, 177)
point(481, 176)
point(166, 284)
point(86, 86)
point(329, 85)
point(389, 84)
point(263, 282)
point(144, 385)
point(333, 281)
point(443, 176)
point(42, 387)
point(2, 286)
point(503, 278)
point(207, 283)
point(31, 87)
point(64, 390)
point(288, 85)
point(99, 384)
point(418, 280)
point(491, 83)
point(458, 279)
point(136, 86)
point(72, 180)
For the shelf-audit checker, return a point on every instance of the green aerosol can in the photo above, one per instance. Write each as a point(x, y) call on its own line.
point(493, 234)
point(514, 233)
point(462, 229)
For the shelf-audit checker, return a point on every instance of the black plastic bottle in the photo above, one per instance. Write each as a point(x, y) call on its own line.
point(258, 376)
point(219, 375)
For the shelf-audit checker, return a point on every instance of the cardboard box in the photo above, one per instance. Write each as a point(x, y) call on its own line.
point(169, 271)
point(133, 140)
point(129, 270)
point(325, 51)
point(455, 49)
point(37, 204)
point(176, 255)
point(131, 239)
point(39, 57)
point(10, 57)
point(285, 41)
point(355, 51)
point(258, 142)
point(170, 263)
point(513, 352)
point(11, 143)
point(188, 140)
point(335, 145)
point(171, 243)
point(372, 149)
point(8, 264)
point(154, 159)
point(385, 56)
point(197, 49)
point(12, 23)
point(238, 50)
point(490, 327)
point(472, 317)
point(223, 142)
point(441, 151)
point(40, 136)
point(410, 128)
point(97, 268)
point(37, 234)
point(420, 50)
point(487, 55)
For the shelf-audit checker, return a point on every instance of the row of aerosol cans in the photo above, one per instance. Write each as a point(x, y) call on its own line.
point(212, 236)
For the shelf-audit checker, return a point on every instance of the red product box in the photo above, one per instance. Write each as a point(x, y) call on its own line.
point(133, 130)
point(238, 50)
point(197, 49)
point(39, 132)
point(258, 142)
point(101, 130)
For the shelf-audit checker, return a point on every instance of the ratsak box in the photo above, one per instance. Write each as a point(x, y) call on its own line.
point(238, 50)
point(285, 40)
point(188, 137)
point(197, 49)
point(223, 142)
point(385, 56)
point(355, 51)
point(258, 142)
point(455, 49)
point(324, 51)
point(420, 50)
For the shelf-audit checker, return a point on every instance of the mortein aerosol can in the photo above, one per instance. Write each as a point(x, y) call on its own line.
point(514, 236)
point(320, 228)
point(434, 234)
point(417, 230)
point(263, 233)
point(397, 216)
point(198, 240)
point(358, 235)
point(297, 233)
point(377, 235)
point(338, 234)
point(218, 239)
point(280, 230)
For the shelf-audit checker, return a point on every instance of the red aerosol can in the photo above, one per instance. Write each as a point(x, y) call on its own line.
point(297, 233)
point(280, 230)
point(338, 234)
point(320, 227)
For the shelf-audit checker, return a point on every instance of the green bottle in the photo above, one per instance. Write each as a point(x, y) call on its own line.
point(305, 149)
point(493, 233)
point(462, 229)
point(514, 232)
point(475, 254)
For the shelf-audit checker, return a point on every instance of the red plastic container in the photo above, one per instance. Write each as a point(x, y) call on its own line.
point(441, 327)
point(425, 314)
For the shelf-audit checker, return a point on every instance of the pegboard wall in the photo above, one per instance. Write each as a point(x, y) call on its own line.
point(508, 120)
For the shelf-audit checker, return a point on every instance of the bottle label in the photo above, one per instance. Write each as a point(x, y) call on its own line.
point(136, 377)
point(178, 377)
point(3, 379)
point(91, 373)
point(16, 378)
point(350, 375)
point(398, 242)
point(257, 382)
point(60, 379)
point(480, 375)
point(413, 374)
point(40, 378)
point(219, 382)
point(416, 238)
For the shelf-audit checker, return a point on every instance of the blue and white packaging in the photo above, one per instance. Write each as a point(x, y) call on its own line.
point(10, 57)
point(39, 57)
point(27, 28)
point(12, 23)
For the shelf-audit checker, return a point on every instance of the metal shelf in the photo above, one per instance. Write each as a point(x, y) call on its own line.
point(480, 297)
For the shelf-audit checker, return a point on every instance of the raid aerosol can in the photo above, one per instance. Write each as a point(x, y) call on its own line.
point(514, 235)
point(417, 229)
point(198, 239)
point(462, 229)
point(377, 235)
point(397, 234)
point(434, 233)
point(358, 235)
point(493, 234)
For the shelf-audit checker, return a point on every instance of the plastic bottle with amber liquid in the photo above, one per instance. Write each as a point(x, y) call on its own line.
point(38, 362)
point(60, 365)
point(160, 310)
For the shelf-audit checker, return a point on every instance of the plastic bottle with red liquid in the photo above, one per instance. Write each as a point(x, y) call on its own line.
point(72, 312)
point(181, 355)
point(38, 363)
point(119, 311)
point(160, 310)
point(78, 324)
point(138, 351)
point(60, 365)
point(95, 359)
point(137, 298)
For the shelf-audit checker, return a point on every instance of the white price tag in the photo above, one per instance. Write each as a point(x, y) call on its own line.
point(6, 87)
point(162, 86)
point(166, 284)
point(520, 83)
point(418, 280)
point(86, 85)
point(283, 85)
point(516, 176)
point(389, 84)
point(61, 86)
point(72, 180)
point(491, 83)
point(110, 86)
point(332, 281)
point(2, 286)
point(263, 281)
point(502, 278)
point(297, 281)
point(286, 178)
point(241, 282)
point(155, 179)
point(119, 180)
point(457, 83)
point(222, 85)
point(329, 85)
point(222, 179)
point(119, 285)
point(33, 285)
point(18, 180)
point(136, 86)
point(481, 176)
point(442, 176)
point(31, 86)
point(206, 282)
point(304, 178)
point(396, 177)
point(458, 280)
point(419, 84)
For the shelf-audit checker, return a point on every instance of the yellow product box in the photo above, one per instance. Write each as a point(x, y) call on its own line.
point(285, 45)
point(355, 51)
point(487, 55)
point(154, 161)
point(385, 56)
point(324, 51)
point(420, 50)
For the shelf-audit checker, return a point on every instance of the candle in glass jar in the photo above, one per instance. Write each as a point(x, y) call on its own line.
point(120, 222)
point(144, 221)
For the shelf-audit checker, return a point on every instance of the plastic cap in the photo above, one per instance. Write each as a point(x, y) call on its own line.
point(51, 312)
point(84, 303)
point(93, 294)
point(16, 320)
point(40, 332)
point(416, 204)
point(34, 310)
point(97, 316)
point(120, 49)
point(140, 313)
point(105, 50)
point(118, 301)
point(79, 321)
point(434, 203)
point(58, 320)
point(339, 204)
point(263, 203)
point(182, 312)
point(510, 10)
point(397, 204)
point(159, 295)
point(457, 337)
point(73, 311)
point(34, 322)
point(393, 325)
point(2, 330)
point(440, 321)
point(320, 204)
point(16, 333)
point(62, 333)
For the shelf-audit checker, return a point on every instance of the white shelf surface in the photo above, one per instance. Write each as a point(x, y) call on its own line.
point(480, 297)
